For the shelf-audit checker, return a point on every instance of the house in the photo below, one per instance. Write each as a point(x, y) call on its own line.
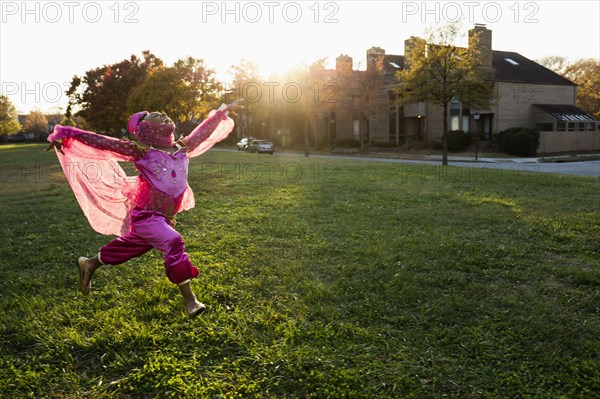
point(528, 95)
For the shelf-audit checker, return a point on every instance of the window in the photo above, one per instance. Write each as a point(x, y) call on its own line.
point(591, 126)
point(487, 127)
point(454, 122)
point(545, 126)
point(581, 126)
point(571, 126)
point(561, 126)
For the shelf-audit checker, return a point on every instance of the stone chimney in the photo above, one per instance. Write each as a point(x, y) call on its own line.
point(343, 63)
point(411, 46)
point(373, 55)
point(480, 38)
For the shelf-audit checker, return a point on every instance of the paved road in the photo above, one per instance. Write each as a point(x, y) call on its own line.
point(586, 168)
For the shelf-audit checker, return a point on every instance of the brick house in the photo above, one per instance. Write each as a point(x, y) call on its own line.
point(528, 95)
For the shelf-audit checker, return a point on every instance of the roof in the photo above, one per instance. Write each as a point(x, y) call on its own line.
point(508, 67)
point(513, 67)
point(565, 112)
point(396, 61)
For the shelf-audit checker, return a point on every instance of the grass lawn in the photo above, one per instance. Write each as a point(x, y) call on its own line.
point(323, 279)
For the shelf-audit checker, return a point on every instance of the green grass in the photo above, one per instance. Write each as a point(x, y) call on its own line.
point(323, 279)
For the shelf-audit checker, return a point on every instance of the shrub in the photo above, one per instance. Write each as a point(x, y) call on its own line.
point(458, 140)
point(513, 141)
point(347, 143)
point(522, 144)
point(501, 138)
point(383, 144)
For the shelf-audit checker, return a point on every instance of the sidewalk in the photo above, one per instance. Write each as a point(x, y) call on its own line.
point(567, 158)
point(452, 158)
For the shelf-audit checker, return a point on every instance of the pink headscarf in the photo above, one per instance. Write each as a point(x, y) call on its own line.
point(153, 134)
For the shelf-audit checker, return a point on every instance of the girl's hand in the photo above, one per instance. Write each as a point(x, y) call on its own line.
point(231, 108)
point(57, 145)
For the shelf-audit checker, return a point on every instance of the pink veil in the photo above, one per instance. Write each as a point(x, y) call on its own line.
point(98, 183)
point(220, 133)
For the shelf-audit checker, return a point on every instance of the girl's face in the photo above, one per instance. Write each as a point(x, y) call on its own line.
point(158, 118)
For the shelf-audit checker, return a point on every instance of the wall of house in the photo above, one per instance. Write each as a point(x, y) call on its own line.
point(379, 129)
point(344, 128)
point(434, 124)
point(513, 107)
point(568, 141)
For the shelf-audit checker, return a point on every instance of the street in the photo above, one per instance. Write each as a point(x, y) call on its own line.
point(584, 168)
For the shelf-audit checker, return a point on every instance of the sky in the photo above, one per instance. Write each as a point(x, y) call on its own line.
point(43, 44)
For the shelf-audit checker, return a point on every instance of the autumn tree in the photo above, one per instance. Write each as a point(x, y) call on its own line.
point(440, 72)
point(556, 63)
point(203, 89)
point(248, 87)
point(101, 94)
point(186, 92)
point(35, 122)
point(9, 121)
point(585, 73)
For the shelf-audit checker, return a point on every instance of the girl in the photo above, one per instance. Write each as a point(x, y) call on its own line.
point(141, 211)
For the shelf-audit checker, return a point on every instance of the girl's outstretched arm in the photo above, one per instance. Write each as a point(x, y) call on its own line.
point(123, 149)
point(212, 130)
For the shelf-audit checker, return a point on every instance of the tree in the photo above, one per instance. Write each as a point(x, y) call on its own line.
point(203, 90)
point(585, 73)
point(298, 95)
point(186, 92)
point(556, 63)
point(9, 120)
point(102, 93)
point(36, 122)
point(66, 121)
point(440, 72)
point(248, 87)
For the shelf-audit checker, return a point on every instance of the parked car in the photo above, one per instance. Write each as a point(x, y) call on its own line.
point(261, 146)
point(243, 143)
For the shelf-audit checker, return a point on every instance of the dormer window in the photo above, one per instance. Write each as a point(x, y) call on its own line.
point(511, 61)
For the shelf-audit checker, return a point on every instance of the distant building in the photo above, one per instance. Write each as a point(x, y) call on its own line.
point(530, 95)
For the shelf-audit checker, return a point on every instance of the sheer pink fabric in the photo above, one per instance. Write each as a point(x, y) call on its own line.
point(103, 190)
point(212, 130)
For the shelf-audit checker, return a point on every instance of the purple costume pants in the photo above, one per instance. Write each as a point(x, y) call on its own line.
point(149, 230)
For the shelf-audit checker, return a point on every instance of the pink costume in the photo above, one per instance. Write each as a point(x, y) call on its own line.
point(140, 208)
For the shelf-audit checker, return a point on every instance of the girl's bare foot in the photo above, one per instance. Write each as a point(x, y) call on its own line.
point(192, 306)
point(87, 268)
point(193, 309)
